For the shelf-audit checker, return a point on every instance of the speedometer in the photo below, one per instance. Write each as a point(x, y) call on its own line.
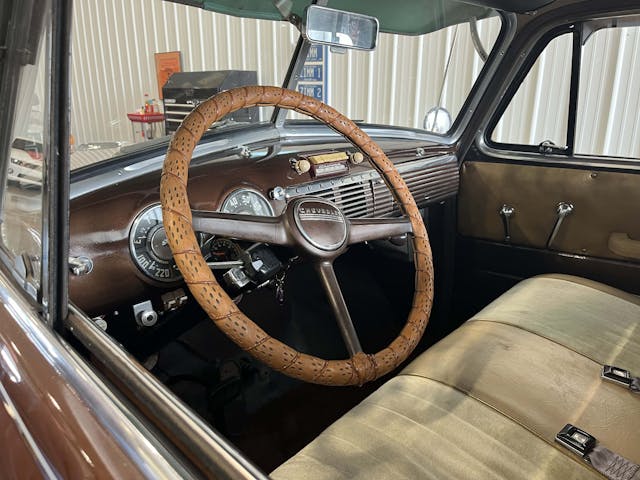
point(247, 202)
point(150, 248)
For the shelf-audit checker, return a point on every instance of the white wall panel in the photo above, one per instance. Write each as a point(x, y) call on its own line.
point(114, 43)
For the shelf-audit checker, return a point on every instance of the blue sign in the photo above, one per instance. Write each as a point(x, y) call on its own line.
point(316, 54)
point(315, 91)
point(313, 75)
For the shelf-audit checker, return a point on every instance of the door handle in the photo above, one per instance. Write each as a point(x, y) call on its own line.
point(564, 209)
point(621, 244)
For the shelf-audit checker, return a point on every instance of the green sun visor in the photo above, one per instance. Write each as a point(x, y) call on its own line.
point(408, 17)
point(414, 18)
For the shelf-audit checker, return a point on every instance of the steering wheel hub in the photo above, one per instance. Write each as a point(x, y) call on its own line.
point(320, 223)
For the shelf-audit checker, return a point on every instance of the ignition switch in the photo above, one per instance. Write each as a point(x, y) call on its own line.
point(264, 264)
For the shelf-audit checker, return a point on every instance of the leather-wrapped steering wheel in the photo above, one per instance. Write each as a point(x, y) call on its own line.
point(311, 225)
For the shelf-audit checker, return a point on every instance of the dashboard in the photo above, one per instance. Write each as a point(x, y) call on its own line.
point(119, 226)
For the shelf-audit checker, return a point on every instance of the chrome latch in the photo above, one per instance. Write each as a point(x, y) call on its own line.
point(576, 440)
point(506, 212)
point(621, 377)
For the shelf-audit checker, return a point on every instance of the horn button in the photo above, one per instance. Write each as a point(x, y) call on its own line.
point(320, 223)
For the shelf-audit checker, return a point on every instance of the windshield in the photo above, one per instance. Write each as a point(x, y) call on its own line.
point(126, 55)
point(138, 68)
point(418, 81)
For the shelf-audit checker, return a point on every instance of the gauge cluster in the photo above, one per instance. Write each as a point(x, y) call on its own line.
point(150, 248)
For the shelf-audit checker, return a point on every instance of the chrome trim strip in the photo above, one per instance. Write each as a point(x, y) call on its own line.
point(152, 461)
point(228, 143)
point(212, 452)
point(45, 467)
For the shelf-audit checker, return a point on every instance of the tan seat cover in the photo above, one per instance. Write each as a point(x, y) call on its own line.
point(598, 321)
point(487, 401)
point(416, 428)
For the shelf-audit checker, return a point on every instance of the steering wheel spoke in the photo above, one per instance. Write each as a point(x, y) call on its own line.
point(364, 229)
point(341, 312)
point(241, 227)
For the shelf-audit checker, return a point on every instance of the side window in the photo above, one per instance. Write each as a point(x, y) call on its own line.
point(608, 119)
point(23, 154)
point(539, 110)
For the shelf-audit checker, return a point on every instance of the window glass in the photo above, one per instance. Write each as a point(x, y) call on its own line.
point(539, 110)
point(609, 100)
point(405, 77)
point(124, 52)
point(21, 215)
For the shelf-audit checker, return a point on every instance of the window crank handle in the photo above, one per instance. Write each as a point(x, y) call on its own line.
point(506, 212)
point(564, 209)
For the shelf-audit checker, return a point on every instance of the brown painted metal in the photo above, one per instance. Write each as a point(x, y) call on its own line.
point(16, 456)
point(65, 429)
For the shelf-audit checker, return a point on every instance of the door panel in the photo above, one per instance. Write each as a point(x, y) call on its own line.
point(604, 202)
point(604, 223)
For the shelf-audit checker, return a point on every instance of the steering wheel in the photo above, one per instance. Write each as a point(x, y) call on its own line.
point(313, 226)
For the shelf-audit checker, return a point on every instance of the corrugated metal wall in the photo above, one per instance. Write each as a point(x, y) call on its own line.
point(380, 86)
point(114, 42)
point(608, 103)
point(113, 66)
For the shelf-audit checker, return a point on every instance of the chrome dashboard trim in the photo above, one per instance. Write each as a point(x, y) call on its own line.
point(228, 143)
point(251, 136)
point(364, 194)
point(152, 460)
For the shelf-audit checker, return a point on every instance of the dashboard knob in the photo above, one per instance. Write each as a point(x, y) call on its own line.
point(301, 166)
point(357, 157)
point(277, 193)
point(147, 318)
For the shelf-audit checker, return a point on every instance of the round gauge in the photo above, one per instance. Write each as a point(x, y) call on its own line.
point(224, 250)
point(149, 246)
point(247, 202)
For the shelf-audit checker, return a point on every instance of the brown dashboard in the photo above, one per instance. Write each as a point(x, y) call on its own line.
point(103, 223)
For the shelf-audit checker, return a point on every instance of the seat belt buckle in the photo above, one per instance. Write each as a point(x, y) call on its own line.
point(576, 440)
point(617, 375)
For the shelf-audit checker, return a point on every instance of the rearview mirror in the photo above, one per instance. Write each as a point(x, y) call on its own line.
point(344, 29)
point(437, 120)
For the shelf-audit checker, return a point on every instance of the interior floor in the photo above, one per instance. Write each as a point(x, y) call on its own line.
point(270, 416)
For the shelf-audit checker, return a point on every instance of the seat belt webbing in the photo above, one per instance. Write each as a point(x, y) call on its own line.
point(608, 463)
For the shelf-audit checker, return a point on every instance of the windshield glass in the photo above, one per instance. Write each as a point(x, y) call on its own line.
point(125, 54)
point(139, 67)
point(407, 81)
